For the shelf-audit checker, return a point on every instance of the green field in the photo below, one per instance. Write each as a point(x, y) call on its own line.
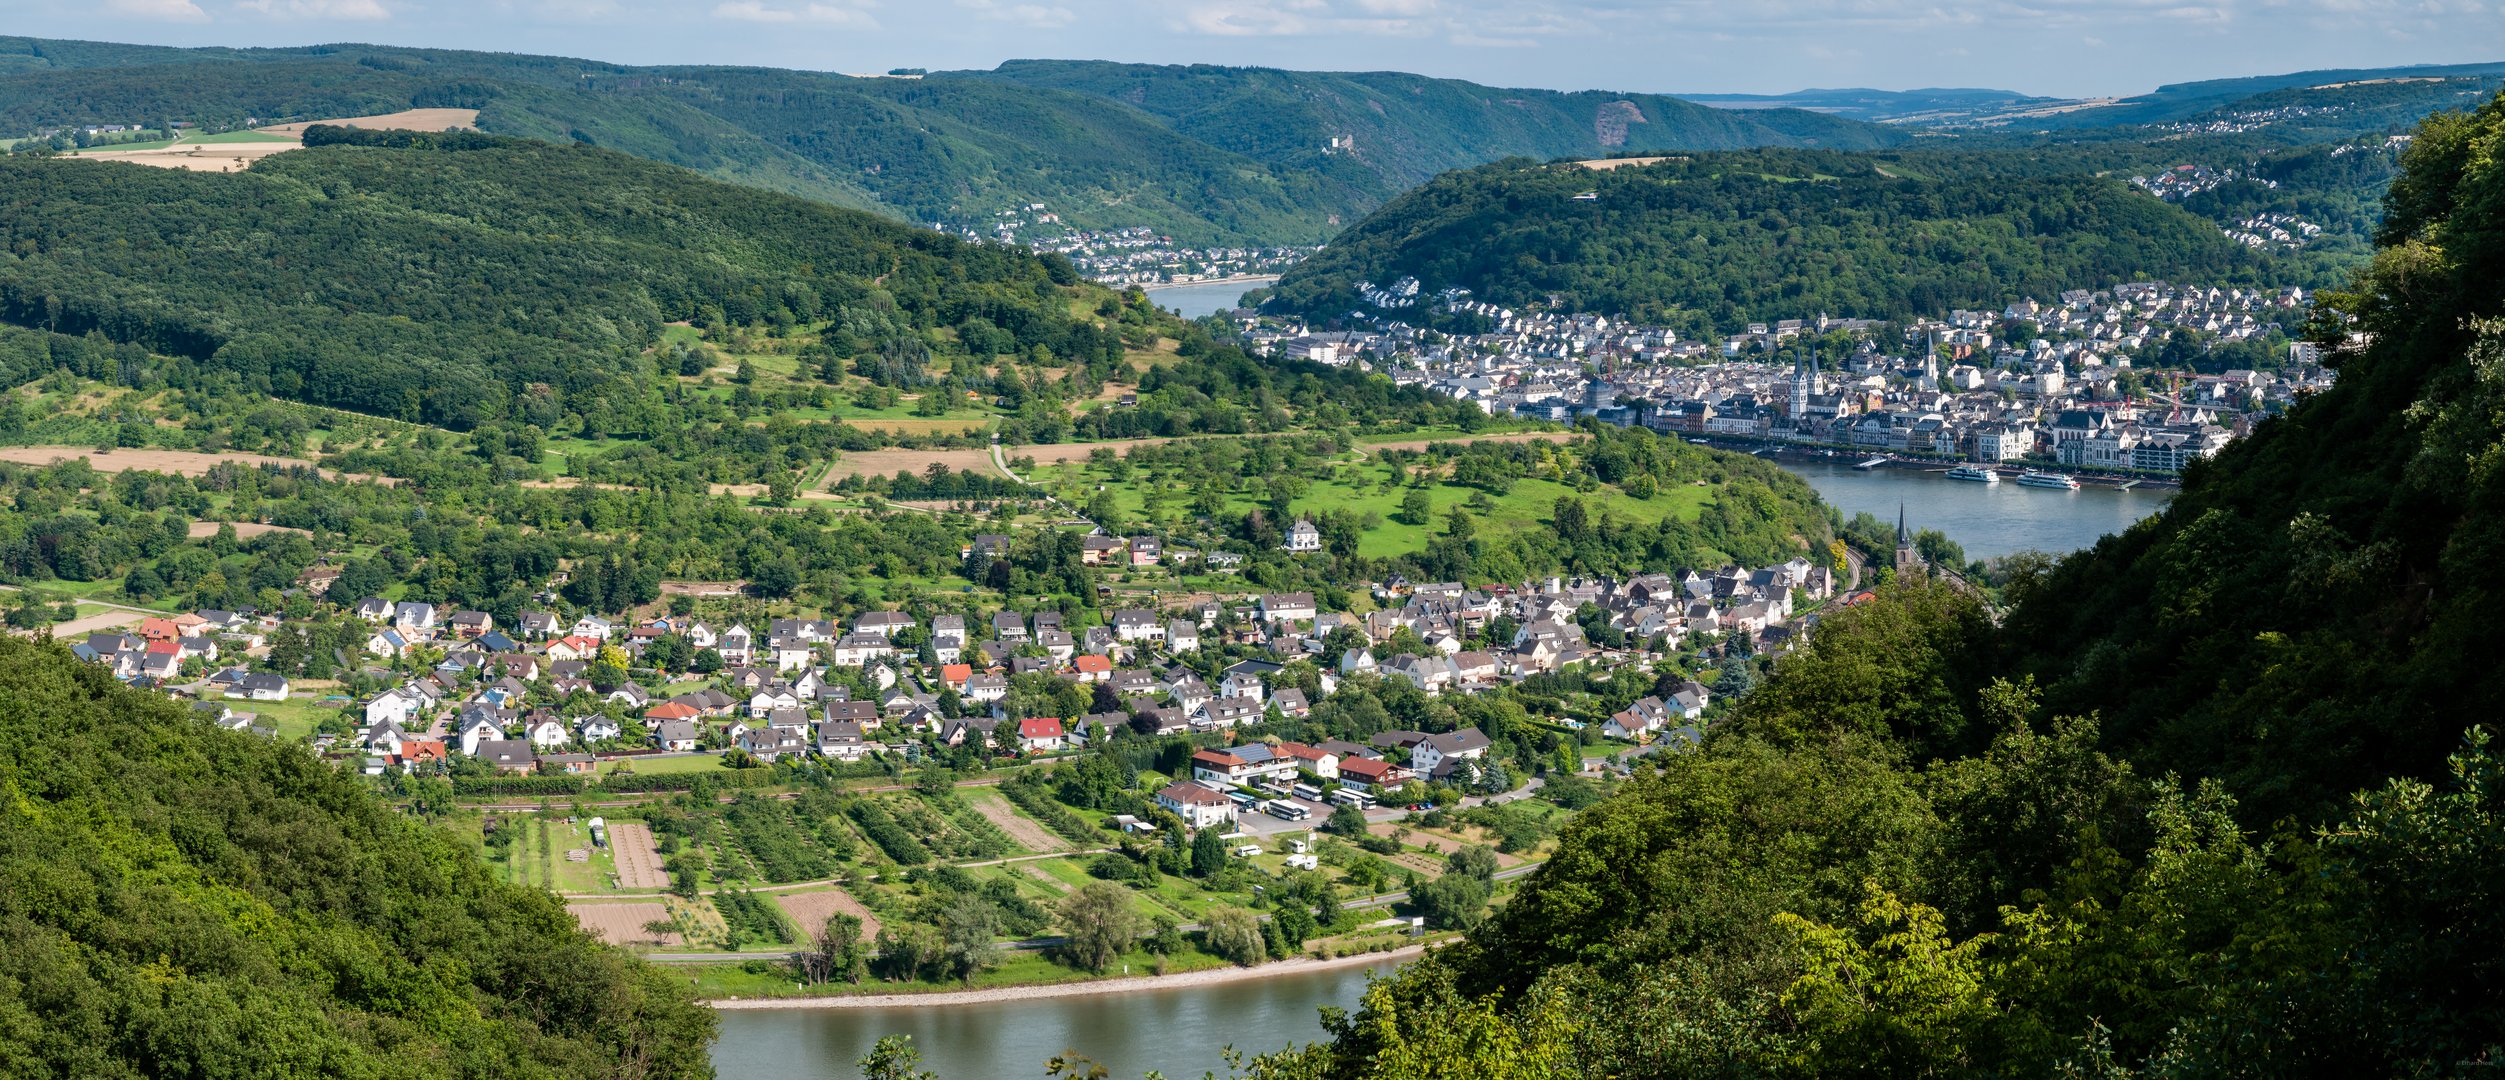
point(1358, 486)
point(663, 766)
point(240, 137)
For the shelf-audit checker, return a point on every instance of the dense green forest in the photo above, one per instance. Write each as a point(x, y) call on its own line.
point(1243, 161)
point(1707, 242)
point(176, 900)
point(419, 281)
point(2209, 799)
point(1399, 129)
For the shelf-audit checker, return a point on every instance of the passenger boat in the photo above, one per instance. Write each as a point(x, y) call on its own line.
point(2047, 480)
point(1969, 472)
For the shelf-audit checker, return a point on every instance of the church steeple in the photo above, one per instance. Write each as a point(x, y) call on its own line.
point(1908, 561)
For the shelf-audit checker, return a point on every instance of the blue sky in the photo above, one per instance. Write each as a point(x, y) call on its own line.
point(2069, 48)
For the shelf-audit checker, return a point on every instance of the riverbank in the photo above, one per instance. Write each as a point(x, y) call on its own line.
point(1118, 985)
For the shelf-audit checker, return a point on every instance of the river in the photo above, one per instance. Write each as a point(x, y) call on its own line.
point(1177, 1032)
point(1988, 520)
point(1205, 298)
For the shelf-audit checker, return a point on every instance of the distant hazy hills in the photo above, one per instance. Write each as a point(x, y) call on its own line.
point(1208, 154)
point(2363, 99)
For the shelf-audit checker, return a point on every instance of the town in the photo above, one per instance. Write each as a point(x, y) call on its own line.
point(1137, 255)
point(2036, 383)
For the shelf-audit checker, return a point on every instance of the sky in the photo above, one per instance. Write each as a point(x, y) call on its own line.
point(2060, 48)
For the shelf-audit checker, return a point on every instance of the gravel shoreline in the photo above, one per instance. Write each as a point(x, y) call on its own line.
point(1130, 984)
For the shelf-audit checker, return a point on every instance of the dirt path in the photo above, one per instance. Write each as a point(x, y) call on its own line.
point(178, 462)
point(1509, 437)
point(244, 530)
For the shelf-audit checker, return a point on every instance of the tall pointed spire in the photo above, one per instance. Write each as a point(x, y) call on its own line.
point(1903, 539)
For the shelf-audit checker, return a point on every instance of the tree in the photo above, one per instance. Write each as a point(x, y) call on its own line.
point(1208, 853)
point(1416, 508)
point(1235, 934)
point(1473, 861)
point(836, 954)
point(1451, 902)
point(894, 1058)
point(967, 932)
point(1345, 820)
point(1100, 923)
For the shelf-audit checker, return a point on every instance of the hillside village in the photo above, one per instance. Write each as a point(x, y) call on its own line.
point(566, 694)
point(2037, 383)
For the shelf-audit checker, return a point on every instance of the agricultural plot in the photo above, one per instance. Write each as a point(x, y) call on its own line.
point(638, 862)
point(1026, 832)
point(624, 924)
point(810, 910)
point(772, 845)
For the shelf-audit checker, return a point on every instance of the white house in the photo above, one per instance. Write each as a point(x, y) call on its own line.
point(1198, 806)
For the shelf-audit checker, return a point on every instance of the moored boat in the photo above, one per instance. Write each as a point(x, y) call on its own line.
point(1969, 472)
point(2047, 480)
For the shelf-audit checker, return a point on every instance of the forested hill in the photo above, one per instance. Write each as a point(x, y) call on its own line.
point(2211, 799)
point(465, 277)
point(1230, 155)
point(1707, 242)
point(176, 900)
point(1398, 129)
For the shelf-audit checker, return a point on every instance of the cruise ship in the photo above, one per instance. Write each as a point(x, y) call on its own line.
point(1969, 472)
point(2047, 480)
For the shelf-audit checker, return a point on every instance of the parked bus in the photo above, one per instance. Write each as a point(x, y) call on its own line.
point(1288, 811)
point(1353, 797)
point(1308, 792)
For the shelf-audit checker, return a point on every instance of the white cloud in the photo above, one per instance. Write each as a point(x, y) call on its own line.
point(339, 10)
point(1034, 16)
point(162, 10)
point(758, 11)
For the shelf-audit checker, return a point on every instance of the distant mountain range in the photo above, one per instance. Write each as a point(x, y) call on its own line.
point(1205, 154)
point(2423, 87)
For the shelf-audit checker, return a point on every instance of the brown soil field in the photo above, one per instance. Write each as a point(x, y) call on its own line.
point(179, 462)
point(234, 157)
point(244, 530)
point(84, 625)
point(1606, 164)
point(404, 120)
point(809, 910)
point(1517, 436)
point(198, 157)
point(1029, 833)
point(639, 866)
point(622, 924)
point(703, 588)
point(890, 462)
